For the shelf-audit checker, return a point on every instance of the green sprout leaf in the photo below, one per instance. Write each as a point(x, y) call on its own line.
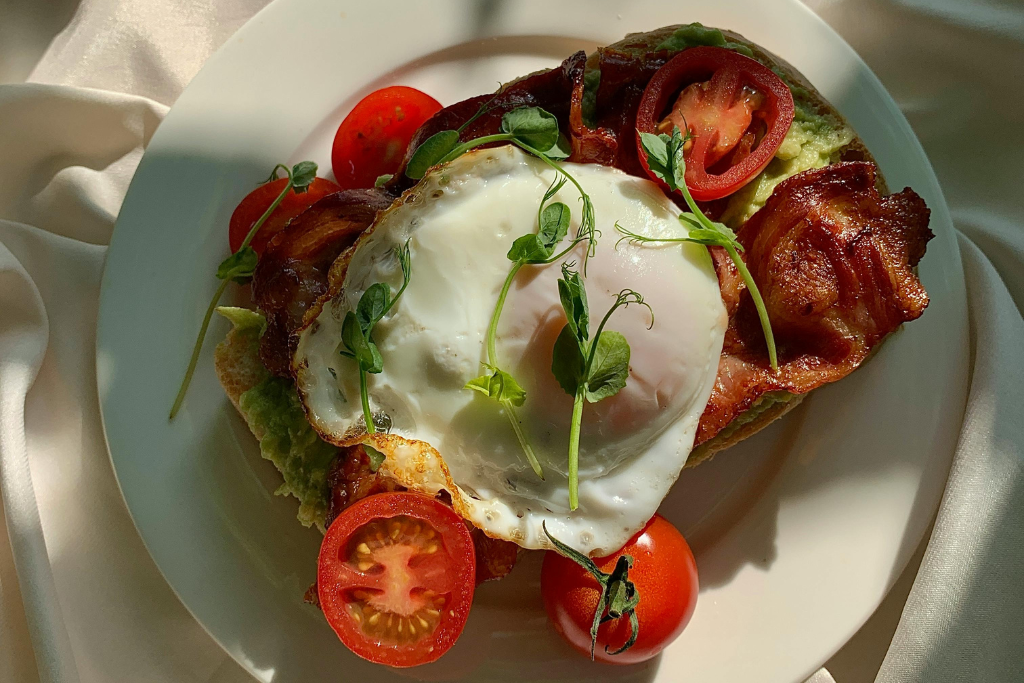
point(431, 152)
point(573, 295)
point(587, 370)
point(665, 159)
point(372, 305)
point(360, 345)
point(568, 361)
point(500, 386)
point(554, 225)
point(376, 457)
point(610, 367)
point(302, 176)
point(357, 329)
point(532, 126)
point(238, 267)
point(383, 180)
point(537, 248)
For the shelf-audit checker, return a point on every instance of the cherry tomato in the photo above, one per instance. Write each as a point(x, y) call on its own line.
point(665, 575)
point(737, 110)
point(259, 200)
point(396, 578)
point(372, 139)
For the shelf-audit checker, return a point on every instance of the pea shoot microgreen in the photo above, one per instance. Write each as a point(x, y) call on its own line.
point(588, 369)
point(533, 130)
point(665, 159)
point(530, 249)
point(358, 343)
point(619, 596)
point(240, 266)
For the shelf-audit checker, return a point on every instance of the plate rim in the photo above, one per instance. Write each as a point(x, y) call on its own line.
point(936, 203)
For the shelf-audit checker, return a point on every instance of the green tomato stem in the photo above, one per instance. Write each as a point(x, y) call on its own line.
point(364, 395)
point(574, 450)
point(197, 348)
point(762, 312)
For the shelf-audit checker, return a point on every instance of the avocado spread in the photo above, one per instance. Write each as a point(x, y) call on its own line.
point(274, 413)
point(814, 140)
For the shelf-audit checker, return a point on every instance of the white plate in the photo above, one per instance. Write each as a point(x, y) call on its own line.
point(798, 532)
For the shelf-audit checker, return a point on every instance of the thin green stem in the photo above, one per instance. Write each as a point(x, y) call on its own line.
point(220, 290)
point(364, 395)
point(197, 348)
point(762, 312)
point(565, 251)
point(484, 108)
point(266, 214)
point(597, 335)
point(492, 330)
point(587, 223)
point(473, 144)
point(395, 298)
point(574, 449)
point(492, 359)
point(273, 174)
point(517, 427)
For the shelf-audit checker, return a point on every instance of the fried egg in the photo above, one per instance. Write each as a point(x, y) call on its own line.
point(459, 222)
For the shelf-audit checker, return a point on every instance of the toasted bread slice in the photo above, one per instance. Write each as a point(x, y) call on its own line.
point(236, 359)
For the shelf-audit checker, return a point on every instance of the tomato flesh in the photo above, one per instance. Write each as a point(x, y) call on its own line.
point(665, 574)
point(736, 110)
point(372, 139)
point(259, 200)
point(396, 577)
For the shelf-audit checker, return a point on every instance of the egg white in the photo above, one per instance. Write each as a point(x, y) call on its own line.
point(459, 222)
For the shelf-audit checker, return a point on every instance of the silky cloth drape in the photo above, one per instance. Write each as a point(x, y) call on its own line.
point(79, 597)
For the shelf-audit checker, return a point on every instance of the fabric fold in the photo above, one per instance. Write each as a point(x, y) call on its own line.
point(80, 599)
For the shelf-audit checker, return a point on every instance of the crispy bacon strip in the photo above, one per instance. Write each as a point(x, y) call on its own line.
point(551, 90)
point(834, 262)
point(292, 273)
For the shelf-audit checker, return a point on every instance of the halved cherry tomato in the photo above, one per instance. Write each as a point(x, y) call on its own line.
point(259, 200)
point(665, 575)
point(737, 110)
point(372, 139)
point(396, 578)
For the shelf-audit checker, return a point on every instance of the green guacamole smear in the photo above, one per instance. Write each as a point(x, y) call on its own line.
point(814, 140)
point(274, 413)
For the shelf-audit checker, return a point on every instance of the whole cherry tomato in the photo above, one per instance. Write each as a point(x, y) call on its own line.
point(372, 139)
point(665, 576)
point(259, 200)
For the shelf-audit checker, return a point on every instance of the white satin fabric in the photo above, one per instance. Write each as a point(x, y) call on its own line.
point(80, 599)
